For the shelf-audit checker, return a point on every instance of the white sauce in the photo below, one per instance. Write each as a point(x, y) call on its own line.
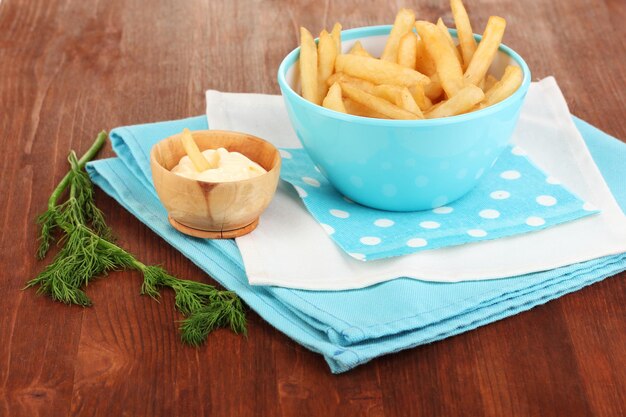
point(231, 166)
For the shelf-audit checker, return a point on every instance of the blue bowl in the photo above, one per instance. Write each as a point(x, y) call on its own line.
point(402, 165)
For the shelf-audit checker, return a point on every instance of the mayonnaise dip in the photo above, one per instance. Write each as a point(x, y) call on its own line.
point(230, 166)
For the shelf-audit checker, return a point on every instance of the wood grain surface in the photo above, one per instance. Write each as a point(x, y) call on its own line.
point(69, 68)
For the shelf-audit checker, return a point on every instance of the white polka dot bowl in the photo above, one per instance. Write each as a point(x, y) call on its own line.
point(402, 165)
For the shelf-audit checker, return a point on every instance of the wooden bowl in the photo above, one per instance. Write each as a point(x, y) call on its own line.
point(215, 209)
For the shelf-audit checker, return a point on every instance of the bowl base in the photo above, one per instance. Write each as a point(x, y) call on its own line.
point(207, 234)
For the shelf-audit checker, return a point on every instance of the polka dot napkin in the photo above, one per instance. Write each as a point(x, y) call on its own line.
point(514, 197)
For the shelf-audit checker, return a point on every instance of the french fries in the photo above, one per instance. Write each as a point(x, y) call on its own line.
point(424, 62)
point(402, 25)
point(326, 54)
point(198, 160)
point(308, 67)
point(419, 95)
point(407, 50)
point(340, 77)
point(421, 73)
point(510, 82)
point(448, 66)
point(464, 31)
point(462, 102)
point(378, 104)
point(446, 33)
point(486, 50)
point(490, 80)
point(357, 109)
point(336, 35)
point(357, 49)
point(378, 71)
point(333, 99)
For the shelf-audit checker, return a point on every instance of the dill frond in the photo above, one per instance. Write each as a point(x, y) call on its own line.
point(88, 252)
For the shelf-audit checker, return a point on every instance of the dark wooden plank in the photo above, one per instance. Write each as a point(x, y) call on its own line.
point(71, 68)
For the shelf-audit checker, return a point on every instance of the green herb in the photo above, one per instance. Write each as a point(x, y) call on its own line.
point(88, 251)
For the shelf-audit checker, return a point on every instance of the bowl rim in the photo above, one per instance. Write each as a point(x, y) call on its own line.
point(370, 31)
point(277, 165)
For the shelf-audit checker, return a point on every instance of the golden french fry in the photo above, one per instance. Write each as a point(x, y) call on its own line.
point(510, 82)
point(490, 80)
point(402, 25)
point(486, 50)
point(463, 31)
point(340, 77)
point(446, 33)
point(389, 92)
point(433, 89)
point(336, 34)
point(326, 54)
point(424, 62)
point(308, 66)
point(448, 66)
point(200, 163)
point(400, 96)
point(422, 101)
point(357, 109)
point(407, 102)
point(462, 102)
point(358, 49)
point(376, 103)
point(407, 50)
point(378, 71)
point(333, 99)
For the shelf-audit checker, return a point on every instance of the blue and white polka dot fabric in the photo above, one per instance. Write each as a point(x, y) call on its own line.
point(514, 197)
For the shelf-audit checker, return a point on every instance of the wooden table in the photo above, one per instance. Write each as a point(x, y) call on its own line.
point(69, 68)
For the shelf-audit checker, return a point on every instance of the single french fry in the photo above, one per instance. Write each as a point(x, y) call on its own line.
point(333, 99)
point(463, 31)
point(433, 89)
point(376, 103)
point(400, 96)
point(486, 50)
point(481, 84)
point(389, 92)
point(407, 50)
point(490, 80)
point(461, 102)
point(378, 71)
point(407, 102)
point(422, 101)
point(326, 55)
point(446, 33)
point(198, 160)
point(358, 49)
point(308, 67)
point(424, 62)
point(357, 109)
point(510, 82)
point(402, 25)
point(448, 66)
point(340, 77)
point(336, 34)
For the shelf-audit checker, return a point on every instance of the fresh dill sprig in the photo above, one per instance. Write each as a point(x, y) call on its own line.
point(88, 251)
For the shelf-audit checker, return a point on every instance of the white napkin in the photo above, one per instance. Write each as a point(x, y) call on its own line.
point(290, 249)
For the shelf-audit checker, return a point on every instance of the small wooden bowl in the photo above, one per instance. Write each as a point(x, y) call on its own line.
point(215, 209)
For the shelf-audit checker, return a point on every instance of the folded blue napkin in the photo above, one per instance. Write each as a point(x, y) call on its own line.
point(513, 197)
point(352, 327)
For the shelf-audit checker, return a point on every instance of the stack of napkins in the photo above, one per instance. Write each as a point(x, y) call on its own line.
point(352, 326)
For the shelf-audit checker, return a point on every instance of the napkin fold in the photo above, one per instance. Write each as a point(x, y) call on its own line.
point(308, 259)
point(352, 327)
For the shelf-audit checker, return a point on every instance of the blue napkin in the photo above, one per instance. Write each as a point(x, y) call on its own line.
point(352, 327)
point(513, 197)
